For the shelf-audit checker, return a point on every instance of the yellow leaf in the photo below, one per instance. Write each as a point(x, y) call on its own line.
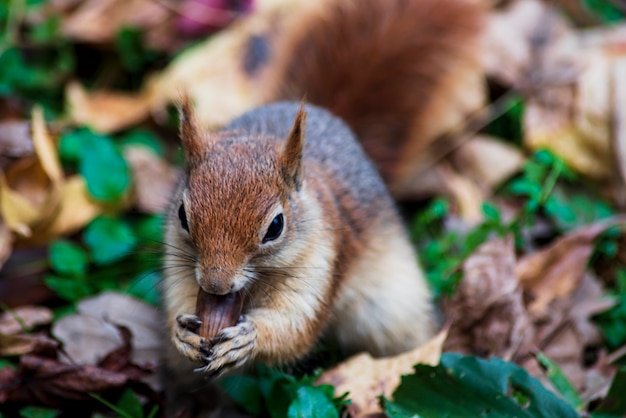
point(18, 213)
point(45, 148)
point(366, 378)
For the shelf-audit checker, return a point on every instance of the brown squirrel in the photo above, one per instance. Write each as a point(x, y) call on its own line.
point(284, 206)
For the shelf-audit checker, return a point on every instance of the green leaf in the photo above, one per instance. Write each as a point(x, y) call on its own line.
point(467, 386)
point(394, 410)
point(143, 137)
point(312, 402)
point(492, 213)
point(245, 391)
point(105, 170)
point(99, 161)
point(605, 10)
point(280, 397)
point(145, 287)
point(45, 32)
point(129, 403)
point(108, 239)
point(67, 258)
point(560, 381)
point(5, 363)
point(38, 412)
point(70, 289)
point(614, 404)
point(70, 144)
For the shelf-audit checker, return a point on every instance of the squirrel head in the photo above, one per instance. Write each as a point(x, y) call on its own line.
point(237, 207)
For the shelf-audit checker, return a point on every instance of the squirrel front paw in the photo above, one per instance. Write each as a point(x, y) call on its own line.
point(186, 339)
point(231, 348)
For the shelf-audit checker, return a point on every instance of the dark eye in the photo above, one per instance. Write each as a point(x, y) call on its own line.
point(275, 228)
point(183, 217)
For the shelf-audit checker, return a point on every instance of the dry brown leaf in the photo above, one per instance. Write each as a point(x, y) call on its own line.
point(86, 339)
point(77, 209)
point(555, 271)
point(30, 188)
point(36, 201)
point(15, 139)
point(99, 21)
point(105, 111)
point(487, 312)
point(17, 212)
point(619, 113)
point(14, 321)
point(572, 113)
point(45, 147)
point(487, 160)
point(213, 73)
point(50, 382)
point(366, 378)
point(6, 242)
point(21, 344)
point(508, 40)
point(466, 193)
point(567, 330)
point(92, 333)
point(154, 179)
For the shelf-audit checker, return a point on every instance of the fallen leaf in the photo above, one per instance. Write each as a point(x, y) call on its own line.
point(99, 21)
point(15, 139)
point(17, 212)
point(24, 318)
point(6, 242)
point(120, 360)
point(619, 113)
point(96, 321)
point(509, 38)
point(21, 344)
point(572, 114)
point(45, 148)
point(566, 330)
point(487, 161)
point(48, 382)
point(154, 179)
point(487, 313)
point(224, 75)
point(30, 188)
point(86, 339)
point(77, 209)
point(465, 192)
point(555, 271)
point(105, 111)
point(366, 378)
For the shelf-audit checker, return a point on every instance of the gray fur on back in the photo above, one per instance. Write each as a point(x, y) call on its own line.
point(330, 144)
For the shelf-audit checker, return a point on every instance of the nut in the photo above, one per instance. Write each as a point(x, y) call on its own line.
point(217, 312)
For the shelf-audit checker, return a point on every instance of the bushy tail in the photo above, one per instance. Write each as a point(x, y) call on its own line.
point(392, 69)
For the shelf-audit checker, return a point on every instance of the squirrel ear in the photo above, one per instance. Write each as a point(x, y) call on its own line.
point(190, 133)
point(292, 153)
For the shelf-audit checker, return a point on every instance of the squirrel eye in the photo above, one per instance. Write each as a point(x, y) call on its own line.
point(183, 217)
point(275, 228)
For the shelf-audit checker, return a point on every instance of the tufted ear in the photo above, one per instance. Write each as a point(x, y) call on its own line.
point(191, 134)
point(291, 158)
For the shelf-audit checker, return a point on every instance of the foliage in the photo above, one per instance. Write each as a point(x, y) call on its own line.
point(106, 257)
point(128, 406)
point(481, 388)
point(283, 395)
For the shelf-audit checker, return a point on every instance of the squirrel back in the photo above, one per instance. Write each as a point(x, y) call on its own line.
point(398, 72)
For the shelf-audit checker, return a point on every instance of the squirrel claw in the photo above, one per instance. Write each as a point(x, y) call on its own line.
point(187, 341)
point(233, 347)
point(191, 322)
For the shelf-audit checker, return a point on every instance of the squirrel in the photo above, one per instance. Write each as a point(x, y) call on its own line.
point(285, 206)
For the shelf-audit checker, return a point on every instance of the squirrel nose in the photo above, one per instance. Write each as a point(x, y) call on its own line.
point(216, 281)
